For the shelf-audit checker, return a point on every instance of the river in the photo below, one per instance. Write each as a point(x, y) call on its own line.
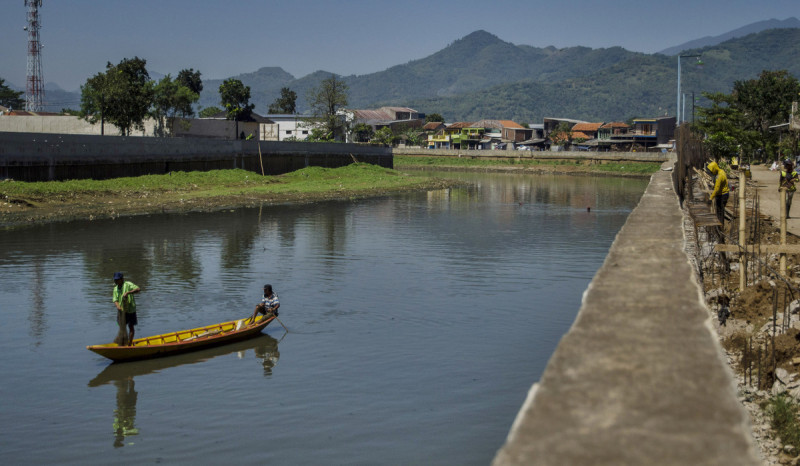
point(416, 325)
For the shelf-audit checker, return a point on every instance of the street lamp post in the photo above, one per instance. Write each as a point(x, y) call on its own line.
point(678, 103)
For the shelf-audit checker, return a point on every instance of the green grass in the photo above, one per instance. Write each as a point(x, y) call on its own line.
point(642, 168)
point(220, 182)
point(784, 413)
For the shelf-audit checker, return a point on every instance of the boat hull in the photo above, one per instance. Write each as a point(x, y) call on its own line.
point(183, 341)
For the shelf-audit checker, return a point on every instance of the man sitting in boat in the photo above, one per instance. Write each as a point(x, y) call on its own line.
point(269, 303)
point(123, 299)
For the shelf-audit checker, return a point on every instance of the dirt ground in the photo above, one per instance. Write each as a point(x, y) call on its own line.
point(768, 298)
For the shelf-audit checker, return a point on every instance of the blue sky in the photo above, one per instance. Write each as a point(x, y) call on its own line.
point(225, 38)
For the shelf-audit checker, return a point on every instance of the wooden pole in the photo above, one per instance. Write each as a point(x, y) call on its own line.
point(783, 230)
point(260, 160)
point(742, 232)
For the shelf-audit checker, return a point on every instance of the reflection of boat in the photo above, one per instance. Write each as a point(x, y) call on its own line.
point(264, 345)
point(122, 376)
point(184, 340)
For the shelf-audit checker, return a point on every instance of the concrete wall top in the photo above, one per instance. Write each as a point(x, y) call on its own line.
point(640, 378)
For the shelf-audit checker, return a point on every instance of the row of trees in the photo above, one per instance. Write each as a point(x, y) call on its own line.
point(124, 95)
point(749, 119)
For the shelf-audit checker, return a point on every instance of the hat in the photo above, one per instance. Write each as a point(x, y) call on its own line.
point(267, 286)
point(117, 275)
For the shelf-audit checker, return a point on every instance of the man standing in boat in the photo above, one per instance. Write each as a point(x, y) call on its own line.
point(126, 304)
point(269, 303)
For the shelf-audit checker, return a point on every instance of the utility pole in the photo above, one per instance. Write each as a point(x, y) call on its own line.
point(34, 88)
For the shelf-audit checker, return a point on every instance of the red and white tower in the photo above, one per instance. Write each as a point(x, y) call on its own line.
point(34, 89)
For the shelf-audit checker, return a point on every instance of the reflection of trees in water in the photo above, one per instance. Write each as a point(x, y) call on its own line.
point(125, 414)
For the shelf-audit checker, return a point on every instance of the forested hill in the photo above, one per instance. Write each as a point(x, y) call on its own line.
point(641, 86)
point(482, 76)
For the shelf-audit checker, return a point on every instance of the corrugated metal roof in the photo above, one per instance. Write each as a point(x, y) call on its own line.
point(498, 124)
point(616, 124)
point(587, 126)
point(460, 124)
point(433, 125)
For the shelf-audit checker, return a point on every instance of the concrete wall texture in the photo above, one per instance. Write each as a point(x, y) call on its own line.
point(64, 124)
point(640, 377)
point(44, 157)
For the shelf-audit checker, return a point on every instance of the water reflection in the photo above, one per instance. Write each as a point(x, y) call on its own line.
point(125, 414)
point(123, 375)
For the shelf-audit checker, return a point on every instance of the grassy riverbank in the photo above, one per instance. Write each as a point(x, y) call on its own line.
point(23, 203)
point(588, 167)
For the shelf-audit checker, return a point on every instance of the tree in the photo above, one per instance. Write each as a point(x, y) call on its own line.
point(384, 136)
point(562, 134)
point(285, 104)
point(122, 95)
point(433, 117)
point(766, 101)
point(741, 121)
point(363, 132)
point(209, 111)
point(325, 101)
point(721, 125)
point(171, 99)
point(9, 97)
point(235, 97)
point(191, 79)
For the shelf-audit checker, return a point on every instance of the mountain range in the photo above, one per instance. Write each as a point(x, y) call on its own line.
point(481, 76)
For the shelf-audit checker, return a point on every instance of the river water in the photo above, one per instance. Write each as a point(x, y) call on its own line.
point(416, 325)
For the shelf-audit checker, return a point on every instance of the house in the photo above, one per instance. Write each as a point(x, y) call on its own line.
point(537, 141)
point(612, 133)
point(394, 118)
point(551, 124)
point(651, 132)
point(433, 126)
point(503, 133)
point(587, 130)
point(286, 127)
point(218, 126)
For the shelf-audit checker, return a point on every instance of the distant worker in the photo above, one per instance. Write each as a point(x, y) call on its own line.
point(125, 302)
point(735, 162)
point(721, 191)
point(788, 179)
point(269, 303)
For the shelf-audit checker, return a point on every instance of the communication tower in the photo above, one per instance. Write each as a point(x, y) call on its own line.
point(34, 89)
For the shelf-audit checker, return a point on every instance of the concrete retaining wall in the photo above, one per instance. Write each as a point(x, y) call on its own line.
point(46, 157)
point(657, 157)
point(640, 378)
point(64, 124)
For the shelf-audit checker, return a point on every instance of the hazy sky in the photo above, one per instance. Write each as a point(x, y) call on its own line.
point(222, 38)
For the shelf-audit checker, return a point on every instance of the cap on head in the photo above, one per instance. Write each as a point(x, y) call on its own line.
point(268, 288)
point(117, 275)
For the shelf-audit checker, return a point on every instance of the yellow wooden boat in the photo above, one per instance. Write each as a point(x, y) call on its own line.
point(184, 340)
